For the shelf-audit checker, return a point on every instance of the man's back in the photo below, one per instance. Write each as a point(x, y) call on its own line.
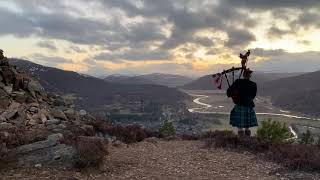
point(245, 89)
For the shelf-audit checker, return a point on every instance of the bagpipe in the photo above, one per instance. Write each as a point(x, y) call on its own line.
point(218, 77)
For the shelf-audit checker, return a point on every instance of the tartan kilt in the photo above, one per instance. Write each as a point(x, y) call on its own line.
point(243, 117)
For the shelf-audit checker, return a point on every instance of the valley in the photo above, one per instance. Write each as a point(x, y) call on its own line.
point(215, 103)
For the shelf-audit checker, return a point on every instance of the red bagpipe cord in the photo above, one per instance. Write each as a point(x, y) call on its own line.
point(218, 81)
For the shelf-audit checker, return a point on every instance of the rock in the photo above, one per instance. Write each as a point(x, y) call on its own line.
point(2, 85)
point(8, 89)
point(82, 112)
point(71, 114)
point(10, 114)
point(34, 86)
point(38, 166)
point(33, 122)
point(52, 121)
point(152, 140)
point(62, 126)
point(57, 113)
point(59, 101)
point(117, 143)
point(4, 99)
point(6, 125)
point(60, 155)
point(34, 104)
point(52, 140)
point(33, 109)
point(89, 130)
point(43, 117)
point(19, 96)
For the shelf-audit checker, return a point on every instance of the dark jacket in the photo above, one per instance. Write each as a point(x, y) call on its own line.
point(246, 89)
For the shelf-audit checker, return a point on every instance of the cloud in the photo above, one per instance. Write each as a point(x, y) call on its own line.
point(52, 61)
point(267, 53)
point(289, 62)
point(277, 33)
point(239, 37)
point(267, 4)
point(50, 45)
point(134, 55)
point(127, 30)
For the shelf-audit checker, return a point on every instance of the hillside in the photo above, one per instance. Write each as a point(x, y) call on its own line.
point(299, 93)
point(207, 82)
point(123, 79)
point(168, 80)
point(94, 93)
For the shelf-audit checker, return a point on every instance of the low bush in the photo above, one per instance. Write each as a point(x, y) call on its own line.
point(274, 132)
point(91, 152)
point(130, 134)
point(167, 129)
point(190, 137)
point(296, 156)
point(293, 156)
point(307, 138)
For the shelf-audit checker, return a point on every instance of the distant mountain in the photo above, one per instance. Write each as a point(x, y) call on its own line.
point(207, 82)
point(123, 79)
point(155, 78)
point(94, 93)
point(299, 93)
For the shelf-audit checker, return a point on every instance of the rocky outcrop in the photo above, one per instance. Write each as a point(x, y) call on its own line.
point(33, 122)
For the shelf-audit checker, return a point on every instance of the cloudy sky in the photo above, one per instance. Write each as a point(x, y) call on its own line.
point(188, 37)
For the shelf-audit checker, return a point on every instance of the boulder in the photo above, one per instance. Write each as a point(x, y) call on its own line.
point(19, 96)
point(49, 153)
point(57, 113)
point(8, 89)
point(82, 112)
point(5, 126)
point(52, 121)
point(4, 99)
point(33, 109)
point(10, 114)
point(88, 129)
point(34, 86)
point(52, 140)
point(71, 114)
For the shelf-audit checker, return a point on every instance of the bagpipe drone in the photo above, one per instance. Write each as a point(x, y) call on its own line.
point(218, 77)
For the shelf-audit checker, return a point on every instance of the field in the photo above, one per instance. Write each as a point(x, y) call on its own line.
point(218, 105)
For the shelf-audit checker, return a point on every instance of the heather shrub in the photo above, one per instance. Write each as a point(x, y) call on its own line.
point(293, 156)
point(91, 152)
point(128, 134)
point(307, 138)
point(167, 129)
point(189, 137)
point(274, 132)
point(220, 139)
point(296, 156)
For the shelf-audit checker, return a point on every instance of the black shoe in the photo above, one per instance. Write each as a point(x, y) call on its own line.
point(247, 132)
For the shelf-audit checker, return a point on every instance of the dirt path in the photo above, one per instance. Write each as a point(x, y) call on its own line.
point(172, 160)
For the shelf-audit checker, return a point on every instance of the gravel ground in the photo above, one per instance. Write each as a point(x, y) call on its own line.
point(168, 160)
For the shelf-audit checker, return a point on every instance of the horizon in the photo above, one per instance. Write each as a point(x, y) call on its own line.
point(183, 38)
